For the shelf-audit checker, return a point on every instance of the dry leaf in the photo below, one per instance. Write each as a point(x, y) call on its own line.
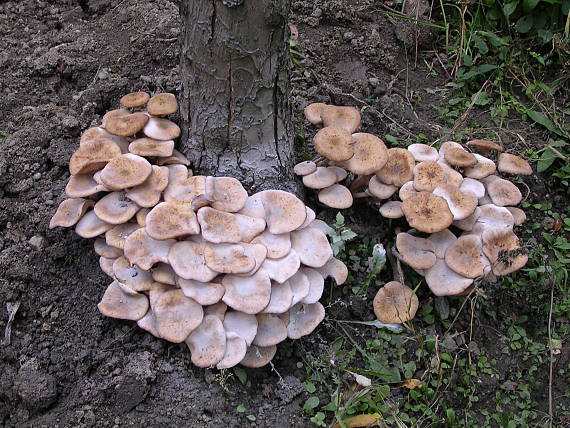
point(412, 383)
point(555, 346)
point(362, 380)
point(364, 420)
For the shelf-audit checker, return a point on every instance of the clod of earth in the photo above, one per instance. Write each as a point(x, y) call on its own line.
point(195, 259)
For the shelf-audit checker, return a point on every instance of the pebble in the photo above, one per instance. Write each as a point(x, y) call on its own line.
point(38, 242)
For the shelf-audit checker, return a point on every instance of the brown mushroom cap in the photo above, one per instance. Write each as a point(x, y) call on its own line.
point(92, 156)
point(459, 157)
point(228, 258)
point(312, 247)
point(406, 190)
point(69, 212)
point(282, 269)
point(161, 129)
point(512, 164)
point(218, 226)
point(336, 196)
point(336, 269)
point(271, 330)
point(145, 251)
point(399, 167)
point(162, 104)
point(131, 277)
point(115, 208)
point(205, 293)
point(82, 185)
point(518, 215)
point(321, 178)
point(115, 303)
point(163, 273)
point(395, 303)
point(392, 209)
point(503, 249)
point(502, 192)
point(380, 190)
point(125, 171)
point(313, 113)
point(176, 315)
point(281, 298)
point(482, 169)
point(176, 158)
point(207, 343)
point(370, 154)
point(333, 144)
point(461, 204)
point(465, 256)
point(443, 281)
point(423, 152)
point(171, 220)
point(116, 236)
point(305, 168)
point(258, 356)
point(418, 253)
point(427, 176)
point(247, 294)
point(90, 225)
point(427, 212)
point(187, 260)
point(451, 176)
point(442, 240)
point(126, 125)
point(284, 212)
point(277, 245)
point(149, 147)
point(245, 325)
point(484, 146)
point(134, 100)
point(185, 191)
point(304, 319)
point(149, 192)
point(347, 118)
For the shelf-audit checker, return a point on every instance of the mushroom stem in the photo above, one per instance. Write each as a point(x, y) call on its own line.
point(394, 258)
point(360, 195)
point(360, 181)
point(320, 160)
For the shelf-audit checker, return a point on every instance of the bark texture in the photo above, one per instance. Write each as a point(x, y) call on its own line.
point(236, 116)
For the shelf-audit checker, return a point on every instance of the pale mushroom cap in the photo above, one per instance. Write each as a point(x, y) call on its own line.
point(145, 251)
point(336, 196)
point(347, 118)
point(176, 315)
point(92, 156)
point(134, 99)
point(127, 125)
point(512, 164)
point(106, 265)
point(277, 245)
point(228, 194)
point(312, 246)
point(380, 190)
point(321, 178)
point(259, 254)
point(503, 249)
point(245, 325)
point(205, 293)
point(442, 240)
point(115, 303)
point(284, 212)
point(281, 298)
point(187, 260)
point(247, 294)
point(161, 129)
point(105, 250)
point(176, 158)
point(336, 269)
point(465, 256)
point(395, 303)
point(459, 157)
point(69, 212)
point(115, 208)
point(418, 253)
point(316, 285)
point(313, 113)
point(150, 147)
point(132, 277)
point(149, 193)
point(270, 330)
point(257, 356)
point(443, 281)
point(468, 223)
point(451, 176)
point(305, 168)
point(185, 191)
point(392, 209)
point(461, 203)
point(218, 226)
point(163, 273)
point(228, 258)
point(370, 154)
point(300, 286)
point(502, 192)
point(311, 215)
point(236, 348)
point(518, 215)
point(423, 152)
point(162, 104)
point(116, 236)
point(406, 190)
point(82, 185)
point(473, 186)
point(170, 220)
point(90, 225)
point(218, 309)
point(427, 176)
point(427, 212)
point(399, 167)
point(207, 343)
point(341, 173)
point(125, 171)
point(482, 169)
point(493, 217)
point(282, 269)
point(333, 144)
point(304, 319)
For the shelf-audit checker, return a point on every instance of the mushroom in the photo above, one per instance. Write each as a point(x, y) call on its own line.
point(131, 277)
point(125, 171)
point(91, 226)
point(427, 212)
point(282, 269)
point(176, 315)
point(126, 125)
point(228, 258)
point(171, 220)
point(304, 319)
point(115, 303)
point(144, 251)
point(69, 212)
point(461, 203)
point(503, 249)
point(115, 208)
point(392, 209)
point(277, 245)
point(312, 247)
point(284, 212)
point(207, 343)
point(105, 250)
point(205, 293)
point(427, 176)
point(300, 286)
point(399, 167)
point(380, 190)
point(236, 349)
point(442, 241)
point(116, 236)
point(270, 330)
point(333, 144)
point(395, 303)
point(443, 281)
point(247, 294)
point(406, 190)
point(227, 193)
point(336, 196)
point(519, 215)
point(502, 192)
point(347, 118)
point(244, 325)
point(218, 309)
point(258, 356)
point(321, 178)
point(336, 269)
point(187, 260)
point(370, 154)
point(161, 129)
point(459, 157)
point(423, 152)
point(465, 256)
point(162, 104)
point(281, 298)
point(482, 169)
point(164, 273)
point(82, 185)
point(418, 253)
point(218, 226)
point(92, 156)
point(313, 113)
point(305, 168)
point(149, 147)
point(512, 164)
point(484, 146)
point(134, 100)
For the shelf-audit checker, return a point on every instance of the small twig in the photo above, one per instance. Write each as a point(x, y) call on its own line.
point(12, 308)
point(394, 259)
point(464, 116)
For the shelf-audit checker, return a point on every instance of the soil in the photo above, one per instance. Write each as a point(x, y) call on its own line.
point(63, 64)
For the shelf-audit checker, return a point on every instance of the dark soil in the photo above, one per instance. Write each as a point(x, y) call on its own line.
point(63, 64)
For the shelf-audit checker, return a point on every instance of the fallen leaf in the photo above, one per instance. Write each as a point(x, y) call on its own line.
point(364, 420)
point(362, 380)
point(556, 346)
point(412, 383)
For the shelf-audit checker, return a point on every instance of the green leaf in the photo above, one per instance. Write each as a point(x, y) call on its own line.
point(510, 7)
point(524, 24)
point(467, 60)
point(541, 119)
point(480, 44)
point(482, 100)
point(529, 5)
point(311, 403)
point(240, 408)
point(310, 387)
point(339, 220)
point(391, 139)
point(251, 418)
point(547, 158)
point(485, 68)
point(241, 374)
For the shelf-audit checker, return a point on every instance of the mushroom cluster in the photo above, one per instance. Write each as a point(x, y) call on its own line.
point(193, 258)
point(456, 187)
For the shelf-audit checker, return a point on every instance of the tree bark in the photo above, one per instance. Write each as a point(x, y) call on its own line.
point(236, 116)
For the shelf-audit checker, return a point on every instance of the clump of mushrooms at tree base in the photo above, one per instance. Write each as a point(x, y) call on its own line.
point(194, 259)
point(462, 213)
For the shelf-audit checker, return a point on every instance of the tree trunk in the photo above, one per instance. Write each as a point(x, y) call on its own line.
point(236, 116)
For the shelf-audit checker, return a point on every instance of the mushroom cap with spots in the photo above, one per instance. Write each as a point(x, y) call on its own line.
point(418, 253)
point(313, 113)
point(127, 125)
point(304, 319)
point(336, 196)
point(370, 154)
point(149, 147)
point(399, 167)
point(333, 144)
point(305, 168)
point(461, 203)
point(134, 99)
point(427, 212)
point(459, 157)
point(347, 118)
point(395, 303)
point(427, 176)
point(321, 178)
point(512, 164)
point(125, 171)
point(503, 193)
point(465, 256)
point(504, 251)
point(92, 156)
point(162, 104)
point(482, 169)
